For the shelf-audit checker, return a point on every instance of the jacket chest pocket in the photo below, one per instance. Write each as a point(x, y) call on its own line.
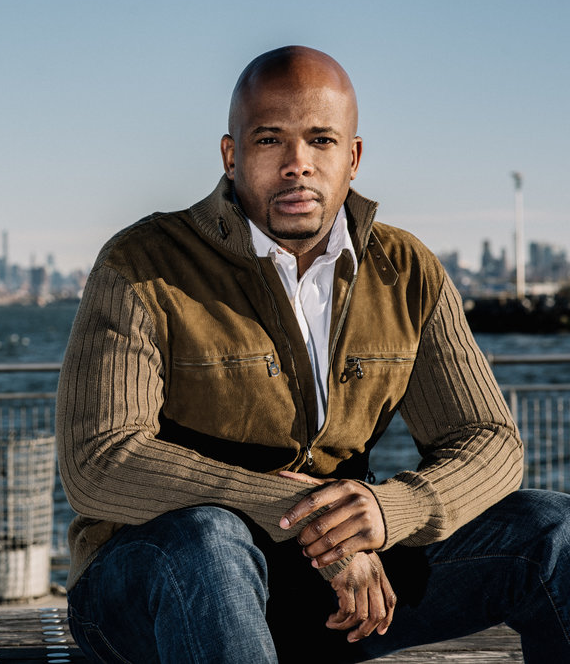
point(370, 385)
point(228, 363)
point(359, 364)
point(238, 397)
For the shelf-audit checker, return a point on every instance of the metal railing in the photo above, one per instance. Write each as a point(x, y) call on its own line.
point(24, 412)
point(542, 413)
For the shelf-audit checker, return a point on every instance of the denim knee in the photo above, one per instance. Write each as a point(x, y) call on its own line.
point(548, 515)
point(544, 517)
point(200, 543)
point(181, 583)
point(204, 527)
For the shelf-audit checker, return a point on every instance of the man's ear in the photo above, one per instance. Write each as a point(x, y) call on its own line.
point(227, 146)
point(356, 156)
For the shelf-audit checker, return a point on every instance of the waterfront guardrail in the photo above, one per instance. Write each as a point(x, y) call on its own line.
point(541, 410)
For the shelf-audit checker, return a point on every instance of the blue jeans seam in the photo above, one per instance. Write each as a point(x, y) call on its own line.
point(179, 596)
point(173, 583)
point(555, 609)
point(86, 625)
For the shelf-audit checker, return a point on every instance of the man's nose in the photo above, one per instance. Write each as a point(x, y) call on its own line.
point(297, 162)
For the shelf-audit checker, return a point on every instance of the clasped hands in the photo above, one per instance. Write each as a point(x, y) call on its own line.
point(352, 524)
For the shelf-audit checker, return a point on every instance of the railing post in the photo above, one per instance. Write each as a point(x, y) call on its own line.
point(27, 478)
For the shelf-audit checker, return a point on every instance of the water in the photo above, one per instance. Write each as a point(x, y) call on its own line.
point(34, 334)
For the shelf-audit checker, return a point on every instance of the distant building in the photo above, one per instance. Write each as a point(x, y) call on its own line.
point(39, 284)
point(547, 263)
point(450, 262)
point(494, 268)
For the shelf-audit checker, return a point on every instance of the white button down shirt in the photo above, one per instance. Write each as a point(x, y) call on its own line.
point(311, 295)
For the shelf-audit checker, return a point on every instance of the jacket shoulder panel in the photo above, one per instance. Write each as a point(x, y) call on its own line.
point(414, 263)
point(148, 248)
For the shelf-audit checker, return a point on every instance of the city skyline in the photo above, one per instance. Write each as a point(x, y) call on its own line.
point(547, 276)
point(537, 256)
point(114, 110)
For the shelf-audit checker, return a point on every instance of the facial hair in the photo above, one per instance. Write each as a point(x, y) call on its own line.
point(293, 234)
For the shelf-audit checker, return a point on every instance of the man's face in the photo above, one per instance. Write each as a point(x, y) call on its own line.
point(292, 156)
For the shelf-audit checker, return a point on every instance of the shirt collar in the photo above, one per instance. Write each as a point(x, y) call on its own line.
point(339, 239)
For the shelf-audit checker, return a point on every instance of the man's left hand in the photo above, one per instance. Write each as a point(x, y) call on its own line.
point(366, 600)
point(353, 521)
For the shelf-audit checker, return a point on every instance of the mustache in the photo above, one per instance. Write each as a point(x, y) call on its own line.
point(295, 190)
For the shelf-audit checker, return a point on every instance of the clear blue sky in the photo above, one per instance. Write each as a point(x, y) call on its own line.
point(112, 109)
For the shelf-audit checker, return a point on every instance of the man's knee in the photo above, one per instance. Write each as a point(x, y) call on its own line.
point(192, 567)
point(198, 527)
point(205, 540)
point(542, 511)
point(544, 518)
point(181, 553)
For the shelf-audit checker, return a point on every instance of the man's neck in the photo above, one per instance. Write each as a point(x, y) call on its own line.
point(307, 258)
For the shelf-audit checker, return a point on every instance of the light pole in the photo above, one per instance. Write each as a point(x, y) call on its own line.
point(519, 237)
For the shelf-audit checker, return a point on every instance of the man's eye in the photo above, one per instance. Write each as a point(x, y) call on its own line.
point(268, 140)
point(323, 140)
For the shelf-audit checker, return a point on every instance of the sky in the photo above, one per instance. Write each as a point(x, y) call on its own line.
point(114, 109)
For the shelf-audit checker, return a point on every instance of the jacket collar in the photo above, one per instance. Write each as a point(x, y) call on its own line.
point(220, 219)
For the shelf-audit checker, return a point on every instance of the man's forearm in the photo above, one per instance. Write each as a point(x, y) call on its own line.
point(471, 449)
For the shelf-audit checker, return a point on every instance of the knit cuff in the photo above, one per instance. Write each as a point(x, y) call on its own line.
point(400, 510)
point(330, 571)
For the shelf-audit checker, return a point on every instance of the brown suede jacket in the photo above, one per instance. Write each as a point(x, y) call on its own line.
point(187, 381)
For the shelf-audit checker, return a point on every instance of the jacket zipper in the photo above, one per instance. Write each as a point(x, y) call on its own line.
point(273, 368)
point(337, 332)
point(355, 363)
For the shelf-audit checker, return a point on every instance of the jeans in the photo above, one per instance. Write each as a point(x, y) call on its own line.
point(205, 585)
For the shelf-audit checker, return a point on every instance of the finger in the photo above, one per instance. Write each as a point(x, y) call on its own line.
point(376, 614)
point(346, 608)
point(361, 612)
point(341, 550)
point(309, 504)
point(338, 525)
point(318, 535)
point(390, 600)
point(350, 516)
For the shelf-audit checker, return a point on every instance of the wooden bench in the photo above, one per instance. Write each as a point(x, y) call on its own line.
point(37, 635)
point(32, 635)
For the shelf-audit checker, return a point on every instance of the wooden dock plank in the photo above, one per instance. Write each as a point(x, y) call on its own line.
point(32, 635)
point(497, 644)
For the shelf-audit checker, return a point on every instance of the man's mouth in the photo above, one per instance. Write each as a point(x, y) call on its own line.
point(301, 201)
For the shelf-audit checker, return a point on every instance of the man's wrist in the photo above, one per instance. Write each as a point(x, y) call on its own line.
point(330, 571)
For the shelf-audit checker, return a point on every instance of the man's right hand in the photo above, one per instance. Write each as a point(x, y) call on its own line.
point(365, 598)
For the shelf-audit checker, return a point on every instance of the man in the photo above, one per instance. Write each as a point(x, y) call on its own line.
point(229, 370)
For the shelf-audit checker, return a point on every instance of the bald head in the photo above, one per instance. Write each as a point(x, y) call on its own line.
point(292, 148)
point(291, 68)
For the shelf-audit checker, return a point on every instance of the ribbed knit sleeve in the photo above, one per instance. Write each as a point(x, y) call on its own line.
point(471, 449)
point(113, 467)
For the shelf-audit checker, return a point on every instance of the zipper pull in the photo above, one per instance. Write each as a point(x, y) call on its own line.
point(359, 372)
point(309, 457)
point(272, 368)
point(352, 364)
